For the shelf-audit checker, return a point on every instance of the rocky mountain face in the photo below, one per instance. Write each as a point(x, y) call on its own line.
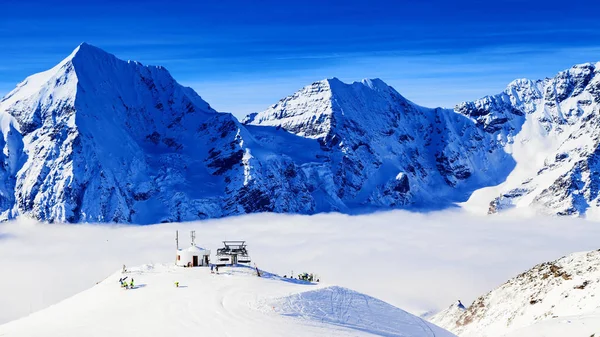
point(98, 139)
point(566, 288)
point(551, 128)
point(378, 149)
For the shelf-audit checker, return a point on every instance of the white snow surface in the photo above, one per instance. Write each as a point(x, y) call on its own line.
point(586, 325)
point(558, 298)
point(233, 302)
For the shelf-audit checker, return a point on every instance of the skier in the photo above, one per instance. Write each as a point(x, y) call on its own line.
point(131, 284)
point(177, 284)
point(461, 306)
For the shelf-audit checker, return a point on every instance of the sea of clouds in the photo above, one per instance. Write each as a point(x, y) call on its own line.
point(419, 262)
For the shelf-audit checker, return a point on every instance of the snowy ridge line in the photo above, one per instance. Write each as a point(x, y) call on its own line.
point(330, 147)
point(233, 302)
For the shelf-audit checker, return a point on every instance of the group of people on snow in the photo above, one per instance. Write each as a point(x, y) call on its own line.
point(124, 284)
point(305, 277)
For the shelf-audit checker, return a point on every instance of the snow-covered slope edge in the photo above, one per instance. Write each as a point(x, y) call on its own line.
point(233, 302)
point(541, 299)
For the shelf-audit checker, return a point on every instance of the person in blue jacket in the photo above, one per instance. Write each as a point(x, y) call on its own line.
point(461, 306)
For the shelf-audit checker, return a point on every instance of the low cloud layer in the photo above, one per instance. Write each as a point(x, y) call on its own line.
point(419, 262)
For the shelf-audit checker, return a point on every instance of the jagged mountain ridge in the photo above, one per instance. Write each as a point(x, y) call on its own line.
point(551, 128)
point(98, 139)
point(564, 288)
point(384, 150)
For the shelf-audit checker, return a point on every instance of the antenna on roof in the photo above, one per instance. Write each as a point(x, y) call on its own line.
point(177, 239)
point(193, 235)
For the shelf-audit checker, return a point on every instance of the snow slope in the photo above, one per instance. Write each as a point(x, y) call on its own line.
point(557, 298)
point(587, 325)
point(233, 302)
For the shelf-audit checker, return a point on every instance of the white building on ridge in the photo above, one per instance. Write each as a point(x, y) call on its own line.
point(192, 256)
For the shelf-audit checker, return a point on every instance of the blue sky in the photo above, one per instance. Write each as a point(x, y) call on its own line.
point(242, 56)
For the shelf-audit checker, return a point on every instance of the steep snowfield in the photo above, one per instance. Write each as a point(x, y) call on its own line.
point(557, 298)
point(233, 302)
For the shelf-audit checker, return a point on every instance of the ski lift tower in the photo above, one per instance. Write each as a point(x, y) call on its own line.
point(233, 252)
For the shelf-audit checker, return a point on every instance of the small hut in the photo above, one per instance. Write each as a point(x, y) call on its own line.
point(193, 256)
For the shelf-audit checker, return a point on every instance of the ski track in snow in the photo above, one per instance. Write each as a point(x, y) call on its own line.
point(232, 303)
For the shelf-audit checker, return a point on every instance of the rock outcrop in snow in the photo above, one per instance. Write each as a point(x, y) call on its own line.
point(565, 288)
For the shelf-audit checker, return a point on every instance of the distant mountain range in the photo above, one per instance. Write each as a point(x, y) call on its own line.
point(98, 139)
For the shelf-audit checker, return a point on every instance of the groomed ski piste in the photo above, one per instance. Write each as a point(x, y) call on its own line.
point(234, 302)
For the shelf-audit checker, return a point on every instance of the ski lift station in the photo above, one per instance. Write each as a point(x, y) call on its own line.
point(233, 252)
point(193, 256)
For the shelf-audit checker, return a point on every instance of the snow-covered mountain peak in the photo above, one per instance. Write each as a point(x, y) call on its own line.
point(316, 110)
point(96, 120)
point(87, 50)
point(383, 148)
point(550, 128)
point(375, 83)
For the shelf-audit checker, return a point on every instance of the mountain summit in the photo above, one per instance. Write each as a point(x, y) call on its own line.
point(100, 139)
point(551, 128)
point(382, 150)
